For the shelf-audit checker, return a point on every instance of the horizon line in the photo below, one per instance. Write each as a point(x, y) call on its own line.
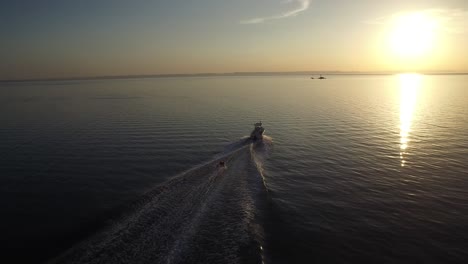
point(208, 74)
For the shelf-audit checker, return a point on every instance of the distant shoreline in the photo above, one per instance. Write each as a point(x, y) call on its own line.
point(240, 74)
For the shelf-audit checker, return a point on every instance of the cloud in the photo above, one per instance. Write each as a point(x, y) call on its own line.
point(448, 20)
point(451, 20)
point(303, 5)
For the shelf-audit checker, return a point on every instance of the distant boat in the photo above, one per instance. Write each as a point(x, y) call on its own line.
point(311, 77)
point(321, 77)
point(257, 133)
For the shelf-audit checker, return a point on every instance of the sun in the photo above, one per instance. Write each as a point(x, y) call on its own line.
point(412, 35)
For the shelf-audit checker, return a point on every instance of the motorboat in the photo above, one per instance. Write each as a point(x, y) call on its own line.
point(321, 77)
point(257, 133)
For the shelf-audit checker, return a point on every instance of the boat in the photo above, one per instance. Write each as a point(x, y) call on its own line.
point(257, 133)
point(321, 77)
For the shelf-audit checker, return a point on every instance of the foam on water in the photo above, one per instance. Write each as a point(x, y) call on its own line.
point(208, 214)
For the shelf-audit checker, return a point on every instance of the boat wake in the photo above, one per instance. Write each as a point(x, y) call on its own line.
point(208, 214)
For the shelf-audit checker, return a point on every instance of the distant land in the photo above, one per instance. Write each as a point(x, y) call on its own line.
point(312, 73)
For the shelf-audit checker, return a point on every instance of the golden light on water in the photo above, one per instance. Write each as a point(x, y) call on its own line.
point(410, 85)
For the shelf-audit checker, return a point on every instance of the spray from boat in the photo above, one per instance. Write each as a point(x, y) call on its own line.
point(211, 213)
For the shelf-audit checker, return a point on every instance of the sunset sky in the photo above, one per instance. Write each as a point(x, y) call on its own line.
point(57, 38)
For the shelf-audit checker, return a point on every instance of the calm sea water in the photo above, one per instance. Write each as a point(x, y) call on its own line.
point(355, 169)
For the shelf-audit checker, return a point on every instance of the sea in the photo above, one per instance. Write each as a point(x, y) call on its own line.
point(351, 169)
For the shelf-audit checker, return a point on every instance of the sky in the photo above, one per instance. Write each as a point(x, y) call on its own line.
point(64, 38)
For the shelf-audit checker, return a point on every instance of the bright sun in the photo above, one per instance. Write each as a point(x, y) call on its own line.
point(413, 35)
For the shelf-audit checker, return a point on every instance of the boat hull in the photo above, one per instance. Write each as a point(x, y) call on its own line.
point(257, 133)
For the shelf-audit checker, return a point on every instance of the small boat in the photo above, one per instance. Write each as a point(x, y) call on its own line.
point(321, 77)
point(257, 133)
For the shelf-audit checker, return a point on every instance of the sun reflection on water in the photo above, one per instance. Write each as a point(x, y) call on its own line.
point(409, 88)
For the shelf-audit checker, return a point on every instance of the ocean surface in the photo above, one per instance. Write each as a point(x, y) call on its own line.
point(353, 169)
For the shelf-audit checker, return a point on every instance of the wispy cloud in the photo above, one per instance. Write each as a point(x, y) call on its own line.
point(301, 6)
point(448, 20)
